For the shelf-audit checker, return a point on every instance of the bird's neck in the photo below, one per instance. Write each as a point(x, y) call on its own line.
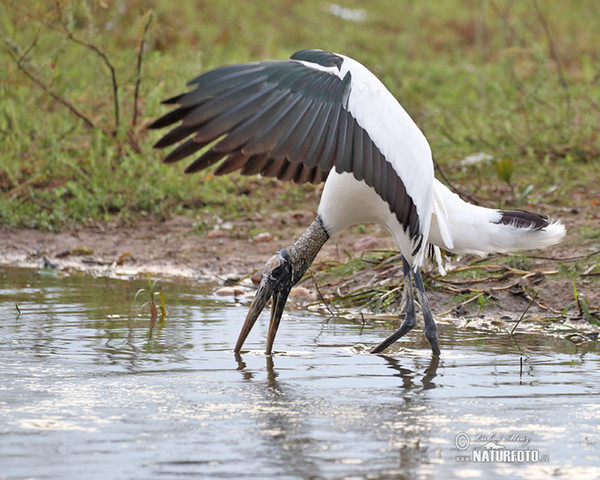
point(304, 251)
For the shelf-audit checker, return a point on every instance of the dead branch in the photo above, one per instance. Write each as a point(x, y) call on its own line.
point(138, 70)
point(553, 53)
point(321, 297)
point(504, 17)
point(18, 56)
point(470, 197)
point(94, 48)
point(566, 259)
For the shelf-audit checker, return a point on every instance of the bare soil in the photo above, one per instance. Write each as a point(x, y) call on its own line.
point(171, 249)
point(230, 252)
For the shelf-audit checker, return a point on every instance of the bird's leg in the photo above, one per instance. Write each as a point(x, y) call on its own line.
point(430, 326)
point(410, 318)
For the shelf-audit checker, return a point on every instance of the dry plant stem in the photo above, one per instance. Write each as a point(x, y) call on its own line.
point(14, 192)
point(499, 289)
point(526, 310)
point(506, 272)
point(138, 71)
point(94, 48)
point(553, 53)
point(321, 297)
point(567, 259)
point(466, 195)
point(19, 58)
point(466, 302)
point(502, 268)
point(504, 16)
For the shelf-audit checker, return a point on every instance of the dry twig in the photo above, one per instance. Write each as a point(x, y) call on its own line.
point(138, 70)
point(94, 48)
point(553, 53)
point(19, 56)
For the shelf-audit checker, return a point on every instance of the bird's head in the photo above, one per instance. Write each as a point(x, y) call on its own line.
point(276, 282)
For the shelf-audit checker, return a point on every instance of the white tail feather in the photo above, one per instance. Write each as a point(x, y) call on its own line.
point(461, 227)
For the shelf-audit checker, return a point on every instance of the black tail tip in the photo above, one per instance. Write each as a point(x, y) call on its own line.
point(523, 219)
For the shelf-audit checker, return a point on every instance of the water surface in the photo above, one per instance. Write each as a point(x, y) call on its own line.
point(87, 392)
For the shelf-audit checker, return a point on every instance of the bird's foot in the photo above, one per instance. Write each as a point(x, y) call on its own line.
point(431, 335)
point(407, 325)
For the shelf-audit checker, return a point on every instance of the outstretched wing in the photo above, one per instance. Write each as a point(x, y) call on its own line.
point(297, 119)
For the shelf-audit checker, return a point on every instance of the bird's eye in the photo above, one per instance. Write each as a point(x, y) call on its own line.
point(277, 272)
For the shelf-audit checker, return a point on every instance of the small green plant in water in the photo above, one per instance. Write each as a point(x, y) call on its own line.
point(152, 302)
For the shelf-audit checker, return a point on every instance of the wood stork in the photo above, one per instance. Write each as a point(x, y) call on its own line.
point(322, 116)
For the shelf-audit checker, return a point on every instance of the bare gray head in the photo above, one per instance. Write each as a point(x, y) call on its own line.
point(276, 282)
point(281, 272)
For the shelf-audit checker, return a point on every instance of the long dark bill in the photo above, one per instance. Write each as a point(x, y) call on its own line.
point(279, 299)
point(261, 298)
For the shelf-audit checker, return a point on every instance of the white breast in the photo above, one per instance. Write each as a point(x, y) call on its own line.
point(347, 201)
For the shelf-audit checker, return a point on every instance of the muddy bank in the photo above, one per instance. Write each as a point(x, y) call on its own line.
point(231, 252)
point(174, 249)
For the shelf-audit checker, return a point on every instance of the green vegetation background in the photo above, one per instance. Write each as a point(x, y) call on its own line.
point(516, 81)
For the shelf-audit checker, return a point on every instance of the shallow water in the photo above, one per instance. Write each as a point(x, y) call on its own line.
point(87, 392)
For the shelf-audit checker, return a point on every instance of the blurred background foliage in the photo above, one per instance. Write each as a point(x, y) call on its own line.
point(507, 93)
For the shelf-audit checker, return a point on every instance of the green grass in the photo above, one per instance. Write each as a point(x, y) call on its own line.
point(503, 78)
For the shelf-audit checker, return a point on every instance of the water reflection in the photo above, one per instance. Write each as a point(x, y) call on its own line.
point(86, 391)
point(300, 425)
point(407, 375)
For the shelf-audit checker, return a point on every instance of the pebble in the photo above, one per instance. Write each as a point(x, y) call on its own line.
point(229, 292)
point(264, 237)
point(256, 277)
point(217, 233)
point(302, 295)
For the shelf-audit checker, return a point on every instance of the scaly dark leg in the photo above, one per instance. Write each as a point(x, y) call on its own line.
point(410, 319)
point(430, 326)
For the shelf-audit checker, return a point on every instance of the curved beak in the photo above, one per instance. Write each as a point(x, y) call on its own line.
point(263, 294)
point(279, 299)
point(261, 298)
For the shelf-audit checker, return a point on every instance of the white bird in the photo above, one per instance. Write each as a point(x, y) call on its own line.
point(322, 116)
